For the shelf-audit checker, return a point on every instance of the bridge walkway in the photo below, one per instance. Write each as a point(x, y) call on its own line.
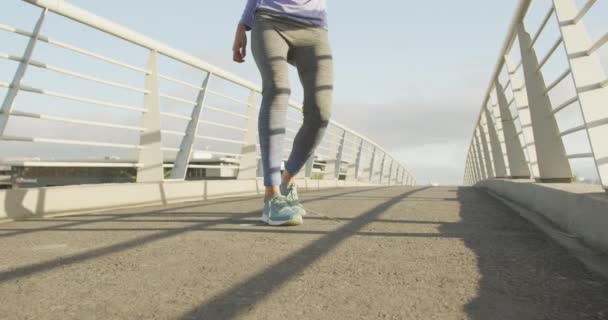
point(363, 253)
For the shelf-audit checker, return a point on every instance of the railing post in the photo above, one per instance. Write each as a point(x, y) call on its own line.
point(482, 166)
point(515, 153)
point(150, 164)
point(497, 154)
point(249, 161)
point(520, 98)
point(358, 161)
point(390, 172)
point(403, 175)
point(486, 152)
point(467, 170)
point(13, 90)
point(340, 155)
point(476, 167)
point(330, 164)
point(396, 177)
point(382, 168)
point(309, 166)
point(180, 166)
point(553, 164)
point(590, 82)
point(371, 166)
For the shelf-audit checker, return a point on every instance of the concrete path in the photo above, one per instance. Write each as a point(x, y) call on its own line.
point(364, 253)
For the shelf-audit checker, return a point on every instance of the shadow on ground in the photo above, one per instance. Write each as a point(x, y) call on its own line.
point(523, 273)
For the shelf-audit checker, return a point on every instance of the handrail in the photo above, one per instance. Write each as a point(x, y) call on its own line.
point(153, 97)
point(70, 11)
point(540, 137)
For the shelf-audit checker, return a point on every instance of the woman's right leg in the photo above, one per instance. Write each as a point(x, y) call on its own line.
point(270, 50)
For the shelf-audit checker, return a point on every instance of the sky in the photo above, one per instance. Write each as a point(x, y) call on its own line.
point(410, 75)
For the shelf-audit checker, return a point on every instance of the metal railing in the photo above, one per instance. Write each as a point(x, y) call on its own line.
point(229, 120)
point(517, 134)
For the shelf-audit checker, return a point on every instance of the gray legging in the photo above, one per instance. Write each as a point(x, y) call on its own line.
point(277, 42)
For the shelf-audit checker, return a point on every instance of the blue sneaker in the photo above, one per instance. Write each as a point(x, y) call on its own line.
point(278, 212)
point(291, 194)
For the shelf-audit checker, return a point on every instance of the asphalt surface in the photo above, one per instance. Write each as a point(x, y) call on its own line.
point(363, 253)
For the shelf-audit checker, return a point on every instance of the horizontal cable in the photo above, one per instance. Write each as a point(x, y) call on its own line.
point(219, 139)
point(160, 76)
point(518, 89)
point(173, 133)
point(177, 99)
point(542, 26)
point(222, 125)
point(581, 13)
point(580, 156)
point(71, 164)
point(74, 49)
point(549, 54)
point(598, 44)
point(510, 102)
point(78, 99)
point(221, 153)
point(69, 142)
point(221, 95)
point(565, 105)
point(175, 116)
point(202, 166)
point(507, 85)
point(573, 130)
point(43, 65)
point(170, 149)
point(514, 70)
point(74, 121)
point(226, 112)
point(557, 81)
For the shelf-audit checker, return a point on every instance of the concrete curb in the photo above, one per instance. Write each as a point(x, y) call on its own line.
point(594, 259)
point(20, 204)
point(579, 210)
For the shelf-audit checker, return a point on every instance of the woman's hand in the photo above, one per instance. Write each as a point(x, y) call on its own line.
point(239, 49)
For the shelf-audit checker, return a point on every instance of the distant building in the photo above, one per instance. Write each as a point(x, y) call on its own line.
point(5, 176)
point(35, 172)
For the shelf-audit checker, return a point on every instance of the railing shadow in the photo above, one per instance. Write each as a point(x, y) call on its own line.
point(523, 274)
point(261, 285)
point(126, 245)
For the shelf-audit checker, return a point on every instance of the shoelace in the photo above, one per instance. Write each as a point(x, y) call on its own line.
point(292, 193)
point(280, 202)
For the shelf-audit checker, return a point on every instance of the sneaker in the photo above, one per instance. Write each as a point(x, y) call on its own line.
point(291, 193)
point(278, 212)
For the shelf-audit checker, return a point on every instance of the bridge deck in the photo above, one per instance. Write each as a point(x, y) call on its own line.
point(396, 253)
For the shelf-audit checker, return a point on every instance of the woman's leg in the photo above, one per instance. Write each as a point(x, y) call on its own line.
point(315, 68)
point(270, 53)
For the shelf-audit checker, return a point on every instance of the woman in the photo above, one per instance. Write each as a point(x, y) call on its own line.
point(287, 32)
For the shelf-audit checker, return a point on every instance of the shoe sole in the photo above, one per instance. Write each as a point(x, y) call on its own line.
point(293, 222)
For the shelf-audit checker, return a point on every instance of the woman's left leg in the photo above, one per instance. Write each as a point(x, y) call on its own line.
point(313, 58)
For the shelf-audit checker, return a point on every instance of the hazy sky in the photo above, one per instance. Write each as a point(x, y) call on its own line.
point(409, 74)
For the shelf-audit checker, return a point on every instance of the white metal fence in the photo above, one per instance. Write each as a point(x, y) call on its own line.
point(547, 104)
point(107, 112)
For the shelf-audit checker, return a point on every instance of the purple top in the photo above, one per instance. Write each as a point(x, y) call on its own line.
point(312, 12)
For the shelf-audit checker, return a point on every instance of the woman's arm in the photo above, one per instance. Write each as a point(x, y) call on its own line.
point(239, 49)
